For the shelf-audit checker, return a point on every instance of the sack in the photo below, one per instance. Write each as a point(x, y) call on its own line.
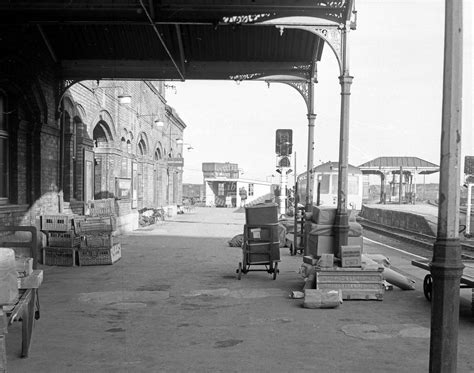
point(317, 298)
point(236, 241)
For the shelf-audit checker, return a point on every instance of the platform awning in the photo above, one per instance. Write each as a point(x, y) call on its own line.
point(392, 165)
point(168, 39)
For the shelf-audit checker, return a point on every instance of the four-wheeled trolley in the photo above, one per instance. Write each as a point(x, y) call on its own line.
point(261, 245)
point(467, 278)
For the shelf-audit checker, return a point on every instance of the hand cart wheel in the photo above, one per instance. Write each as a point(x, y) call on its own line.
point(275, 271)
point(428, 287)
point(239, 271)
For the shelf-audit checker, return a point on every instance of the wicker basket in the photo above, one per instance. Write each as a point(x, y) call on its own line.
point(100, 255)
point(59, 256)
point(63, 239)
point(61, 223)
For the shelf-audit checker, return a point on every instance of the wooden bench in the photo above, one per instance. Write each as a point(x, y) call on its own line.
point(26, 308)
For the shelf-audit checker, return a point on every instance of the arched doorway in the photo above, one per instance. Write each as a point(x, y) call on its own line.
point(104, 179)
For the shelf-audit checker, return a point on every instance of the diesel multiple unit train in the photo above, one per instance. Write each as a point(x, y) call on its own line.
point(324, 180)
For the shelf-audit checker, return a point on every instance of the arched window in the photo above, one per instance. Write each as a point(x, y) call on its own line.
point(141, 148)
point(4, 149)
point(157, 154)
point(101, 134)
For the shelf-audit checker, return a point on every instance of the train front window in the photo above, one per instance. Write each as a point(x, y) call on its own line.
point(335, 179)
point(324, 184)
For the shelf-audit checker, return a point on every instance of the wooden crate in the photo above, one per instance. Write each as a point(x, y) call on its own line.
point(96, 224)
point(101, 207)
point(355, 283)
point(63, 239)
point(97, 240)
point(76, 223)
point(59, 256)
point(58, 223)
point(93, 256)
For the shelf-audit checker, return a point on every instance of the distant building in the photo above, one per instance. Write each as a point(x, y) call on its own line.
point(222, 186)
point(213, 169)
point(193, 191)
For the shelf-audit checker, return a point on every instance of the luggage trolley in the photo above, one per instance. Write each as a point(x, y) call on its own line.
point(261, 244)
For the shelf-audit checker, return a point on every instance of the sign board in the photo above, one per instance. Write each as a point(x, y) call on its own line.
point(123, 188)
point(469, 165)
point(175, 162)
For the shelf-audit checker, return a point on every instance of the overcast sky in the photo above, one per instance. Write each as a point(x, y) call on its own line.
point(397, 63)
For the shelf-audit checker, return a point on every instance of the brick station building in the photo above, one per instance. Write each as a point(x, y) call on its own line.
point(92, 146)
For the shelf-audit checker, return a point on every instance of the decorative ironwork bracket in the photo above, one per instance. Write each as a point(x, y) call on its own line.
point(303, 88)
point(64, 85)
point(330, 34)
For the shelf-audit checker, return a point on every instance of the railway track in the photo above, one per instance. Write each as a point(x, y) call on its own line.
point(413, 238)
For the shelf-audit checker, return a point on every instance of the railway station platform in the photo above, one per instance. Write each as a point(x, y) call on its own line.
point(172, 303)
point(419, 219)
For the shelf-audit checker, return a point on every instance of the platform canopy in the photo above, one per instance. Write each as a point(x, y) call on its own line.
point(173, 39)
point(393, 164)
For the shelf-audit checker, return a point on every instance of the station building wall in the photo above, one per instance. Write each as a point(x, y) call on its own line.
point(45, 146)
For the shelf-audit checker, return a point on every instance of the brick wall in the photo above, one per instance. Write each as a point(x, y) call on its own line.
point(38, 183)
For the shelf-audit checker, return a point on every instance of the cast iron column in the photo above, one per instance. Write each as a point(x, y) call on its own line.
point(446, 266)
point(309, 166)
point(341, 223)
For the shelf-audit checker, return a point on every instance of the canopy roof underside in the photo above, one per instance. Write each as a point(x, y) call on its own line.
point(167, 39)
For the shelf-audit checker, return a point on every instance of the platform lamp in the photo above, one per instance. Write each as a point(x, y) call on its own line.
point(181, 142)
point(157, 121)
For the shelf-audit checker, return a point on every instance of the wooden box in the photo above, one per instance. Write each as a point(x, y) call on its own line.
point(355, 283)
point(61, 223)
point(63, 239)
point(59, 256)
point(97, 240)
point(351, 256)
point(265, 213)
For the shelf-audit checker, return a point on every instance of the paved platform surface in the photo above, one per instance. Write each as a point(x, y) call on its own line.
point(173, 304)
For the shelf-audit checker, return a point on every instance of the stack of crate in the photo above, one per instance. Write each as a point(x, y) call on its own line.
point(62, 240)
point(98, 246)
